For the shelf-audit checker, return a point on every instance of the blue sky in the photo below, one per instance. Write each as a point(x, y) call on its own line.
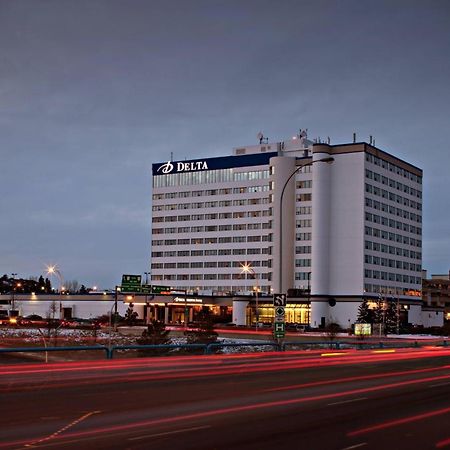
point(93, 92)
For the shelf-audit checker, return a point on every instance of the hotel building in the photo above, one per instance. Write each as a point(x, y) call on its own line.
point(326, 224)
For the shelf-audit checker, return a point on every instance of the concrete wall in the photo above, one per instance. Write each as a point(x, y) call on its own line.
point(81, 309)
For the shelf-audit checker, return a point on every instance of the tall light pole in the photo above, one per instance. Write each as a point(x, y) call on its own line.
point(247, 268)
point(328, 160)
point(13, 302)
point(53, 270)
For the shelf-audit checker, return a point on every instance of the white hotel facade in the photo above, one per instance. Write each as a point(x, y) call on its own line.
point(349, 229)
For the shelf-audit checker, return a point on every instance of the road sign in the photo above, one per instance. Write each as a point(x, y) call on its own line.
point(279, 299)
point(279, 329)
point(146, 289)
point(161, 289)
point(279, 311)
point(131, 283)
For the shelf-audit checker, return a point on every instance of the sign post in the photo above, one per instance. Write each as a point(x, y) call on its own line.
point(279, 326)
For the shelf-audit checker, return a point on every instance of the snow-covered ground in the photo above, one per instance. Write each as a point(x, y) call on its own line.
point(34, 336)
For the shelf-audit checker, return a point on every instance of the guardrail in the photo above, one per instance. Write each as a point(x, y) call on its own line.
point(208, 349)
point(53, 349)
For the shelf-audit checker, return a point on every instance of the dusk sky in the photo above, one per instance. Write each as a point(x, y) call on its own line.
point(92, 92)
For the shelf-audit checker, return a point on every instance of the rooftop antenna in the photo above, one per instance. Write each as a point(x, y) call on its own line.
point(370, 139)
point(171, 156)
point(374, 142)
point(260, 137)
point(328, 140)
point(354, 137)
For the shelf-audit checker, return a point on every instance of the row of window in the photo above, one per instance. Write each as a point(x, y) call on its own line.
point(302, 276)
point(303, 197)
point(393, 168)
point(382, 289)
point(393, 197)
point(302, 263)
point(208, 264)
point(303, 184)
point(391, 250)
point(380, 206)
point(207, 192)
point(207, 177)
point(375, 218)
point(399, 238)
point(304, 223)
point(209, 276)
point(212, 240)
point(379, 261)
point(213, 252)
point(212, 228)
point(303, 236)
point(380, 275)
point(213, 216)
point(303, 210)
point(217, 289)
point(393, 184)
point(214, 204)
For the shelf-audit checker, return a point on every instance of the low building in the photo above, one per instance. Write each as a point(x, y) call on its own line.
point(436, 292)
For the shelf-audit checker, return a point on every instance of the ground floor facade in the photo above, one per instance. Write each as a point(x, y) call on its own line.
point(240, 310)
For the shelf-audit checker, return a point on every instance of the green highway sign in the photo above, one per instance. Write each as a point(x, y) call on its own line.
point(160, 289)
point(279, 329)
point(146, 289)
point(131, 283)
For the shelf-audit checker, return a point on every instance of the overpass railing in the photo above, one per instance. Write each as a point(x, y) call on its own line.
point(207, 349)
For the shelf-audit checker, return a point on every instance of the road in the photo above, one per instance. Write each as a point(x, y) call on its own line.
point(389, 399)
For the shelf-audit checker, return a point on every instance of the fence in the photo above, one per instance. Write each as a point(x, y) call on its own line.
point(210, 348)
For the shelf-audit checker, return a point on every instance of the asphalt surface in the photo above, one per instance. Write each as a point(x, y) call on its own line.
point(305, 400)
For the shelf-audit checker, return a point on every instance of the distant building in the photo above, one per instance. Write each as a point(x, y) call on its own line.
point(344, 231)
point(436, 292)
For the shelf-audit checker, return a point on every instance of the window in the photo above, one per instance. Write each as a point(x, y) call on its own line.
point(303, 197)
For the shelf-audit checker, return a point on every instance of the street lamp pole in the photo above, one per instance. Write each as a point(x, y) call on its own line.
point(247, 268)
point(13, 303)
point(280, 253)
point(53, 270)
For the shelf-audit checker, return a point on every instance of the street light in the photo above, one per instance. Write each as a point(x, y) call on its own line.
point(247, 268)
point(328, 160)
point(13, 302)
point(52, 270)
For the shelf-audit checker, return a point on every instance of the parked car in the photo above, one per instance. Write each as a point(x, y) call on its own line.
point(33, 320)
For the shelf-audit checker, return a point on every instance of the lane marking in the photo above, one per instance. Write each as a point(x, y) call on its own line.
point(347, 401)
point(168, 433)
point(244, 408)
point(56, 433)
point(334, 354)
point(355, 446)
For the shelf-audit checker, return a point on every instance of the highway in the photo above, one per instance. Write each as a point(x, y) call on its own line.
point(312, 400)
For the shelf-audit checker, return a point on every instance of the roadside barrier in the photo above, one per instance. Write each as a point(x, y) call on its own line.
point(208, 349)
